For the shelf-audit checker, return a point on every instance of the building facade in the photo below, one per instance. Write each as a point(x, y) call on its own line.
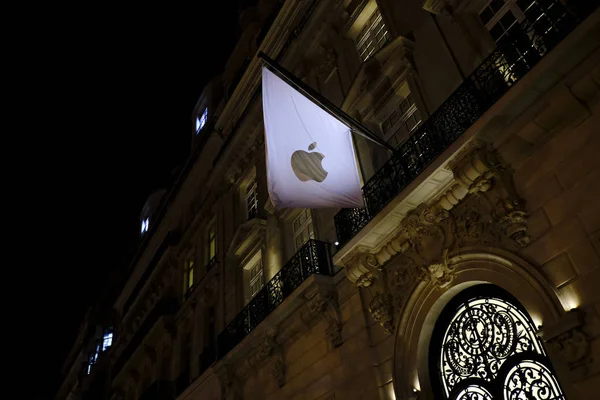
point(473, 270)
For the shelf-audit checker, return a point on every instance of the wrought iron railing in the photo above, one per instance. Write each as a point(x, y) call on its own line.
point(313, 258)
point(550, 22)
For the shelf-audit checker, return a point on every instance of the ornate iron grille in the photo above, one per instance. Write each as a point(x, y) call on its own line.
point(508, 63)
point(312, 258)
point(485, 347)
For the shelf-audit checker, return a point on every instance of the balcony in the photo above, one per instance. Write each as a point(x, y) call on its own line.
point(313, 258)
point(500, 71)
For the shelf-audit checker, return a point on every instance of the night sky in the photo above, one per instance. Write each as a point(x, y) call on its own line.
point(113, 91)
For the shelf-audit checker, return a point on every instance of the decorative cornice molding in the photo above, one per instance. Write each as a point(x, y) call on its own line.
point(420, 245)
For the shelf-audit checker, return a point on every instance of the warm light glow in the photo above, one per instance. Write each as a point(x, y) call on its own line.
point(390, 391)
point(569, 298)
point(417, 387)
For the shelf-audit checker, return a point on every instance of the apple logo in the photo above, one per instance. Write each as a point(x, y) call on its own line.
point(308, 166)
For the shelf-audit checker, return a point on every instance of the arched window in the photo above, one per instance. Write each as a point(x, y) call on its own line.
point(484, 347)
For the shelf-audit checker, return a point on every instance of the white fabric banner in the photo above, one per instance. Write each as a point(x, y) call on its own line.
point(310, 157)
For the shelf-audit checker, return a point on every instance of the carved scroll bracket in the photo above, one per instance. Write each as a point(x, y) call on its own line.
point(231, 388)
point(322, 300)
point(567, 339)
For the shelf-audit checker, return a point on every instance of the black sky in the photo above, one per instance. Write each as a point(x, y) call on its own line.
point(111, 94)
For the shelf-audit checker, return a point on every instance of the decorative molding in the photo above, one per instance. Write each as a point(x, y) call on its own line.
point(437, 6)
point(480, 207)
point(382, 310)
point(322, 300)
point(230, 384)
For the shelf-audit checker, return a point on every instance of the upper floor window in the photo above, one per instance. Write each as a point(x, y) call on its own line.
point(303, 228)
point(373, 36)
point(252, 199)
point(145, 225)
point(502, 17)
point(402, 121)
point(253, 276)
point(212, 242)
point(188, 280)
point(201, 120)
point(107, 340)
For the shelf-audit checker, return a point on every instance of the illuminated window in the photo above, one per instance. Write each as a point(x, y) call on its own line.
point(402, 121)
point(188, 279)
point(373, 36)
point(253, 277)
point(502, 17)
point(256, 278)
point(303, 228)
point(107, 340)
point(212, 242)
point(145, 225)
point(201, 120)
point(252, 199)
point(93, 358)
point(484, 346)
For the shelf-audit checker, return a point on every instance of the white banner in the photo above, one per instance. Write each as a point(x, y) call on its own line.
point(310, 157)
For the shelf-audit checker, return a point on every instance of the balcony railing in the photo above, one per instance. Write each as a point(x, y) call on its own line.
point(501, 70)
point(313, 258)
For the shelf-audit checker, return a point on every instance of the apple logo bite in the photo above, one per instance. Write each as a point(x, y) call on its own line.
point(308, 166)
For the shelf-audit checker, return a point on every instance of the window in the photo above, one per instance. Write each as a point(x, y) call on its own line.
point(212, 242)
point(502, 17)
point(201, 121)
point(145, 225)
point(188, 279)
point(107, 340)
point(402, 121)
point(256, 278)
point(252, 199)
point(484, 347)
point(93, 358)
point(253, 276)
point(373, 36)
point(303, 228)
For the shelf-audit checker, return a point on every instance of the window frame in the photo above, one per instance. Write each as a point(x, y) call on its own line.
point(307, 226)
point(399, 127)
point(211, 241)
point(367, 35)
point(201, 120)
point(251, 196)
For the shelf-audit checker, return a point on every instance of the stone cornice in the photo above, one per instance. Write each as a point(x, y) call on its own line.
point(426, 237)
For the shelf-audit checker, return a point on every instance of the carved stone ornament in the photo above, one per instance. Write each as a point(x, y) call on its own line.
point(382, 311)
point(278, 369)
point(322, 301)
point(230, 385)
point(481, 207)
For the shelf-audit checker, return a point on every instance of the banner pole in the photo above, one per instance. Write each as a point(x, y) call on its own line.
point(321, 101)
